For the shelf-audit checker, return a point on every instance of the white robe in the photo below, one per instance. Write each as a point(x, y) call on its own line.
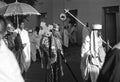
point(9, 68)
point(98, 55)
point(25, 40)
point(92, 47)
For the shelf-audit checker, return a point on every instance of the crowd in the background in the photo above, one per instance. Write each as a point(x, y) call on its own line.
point(19, 47)
point(69, 34)
point(44, 41)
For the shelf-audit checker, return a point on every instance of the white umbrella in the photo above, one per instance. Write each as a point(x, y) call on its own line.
point(2, 4)
point(18, 8)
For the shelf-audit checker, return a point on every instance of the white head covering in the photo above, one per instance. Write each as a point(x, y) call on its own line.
point(97, 26)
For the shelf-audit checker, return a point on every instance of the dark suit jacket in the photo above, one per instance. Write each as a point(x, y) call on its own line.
point(111, 68)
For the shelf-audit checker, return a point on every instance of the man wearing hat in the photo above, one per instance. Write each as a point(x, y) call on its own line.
point(97, 53)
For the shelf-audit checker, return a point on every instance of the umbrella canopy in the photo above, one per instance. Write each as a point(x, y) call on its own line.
point(18, 8)
point(2, 4)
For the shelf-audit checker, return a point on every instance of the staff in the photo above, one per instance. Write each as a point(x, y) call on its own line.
point(67, 11)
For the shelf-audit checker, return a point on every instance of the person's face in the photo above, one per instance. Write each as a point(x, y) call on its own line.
point(22, 25)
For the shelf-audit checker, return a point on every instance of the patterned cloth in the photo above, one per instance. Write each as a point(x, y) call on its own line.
point(51, 48)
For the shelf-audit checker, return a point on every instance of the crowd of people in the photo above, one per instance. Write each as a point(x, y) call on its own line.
point(18, 47)
point(69, 34)
point(24, 45)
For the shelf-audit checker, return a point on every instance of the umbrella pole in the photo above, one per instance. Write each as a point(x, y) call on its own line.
point(17, 22)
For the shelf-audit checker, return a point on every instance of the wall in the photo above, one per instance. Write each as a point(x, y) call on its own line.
point(58, 8)
point(90, 10)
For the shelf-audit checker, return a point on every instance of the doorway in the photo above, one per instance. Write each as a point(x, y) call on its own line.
point(110, 24)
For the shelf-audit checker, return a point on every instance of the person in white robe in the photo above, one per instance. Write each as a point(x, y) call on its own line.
point(9, 68)
point(26, 44)
point(97, 52)
point(92, 53)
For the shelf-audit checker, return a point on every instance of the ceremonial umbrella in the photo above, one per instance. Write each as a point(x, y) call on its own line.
point(18, 8)
point(2, 4)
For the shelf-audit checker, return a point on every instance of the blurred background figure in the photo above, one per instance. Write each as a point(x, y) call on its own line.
point(66, 36)
point(73, 32)
point(33, 43)
point(26, 44)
